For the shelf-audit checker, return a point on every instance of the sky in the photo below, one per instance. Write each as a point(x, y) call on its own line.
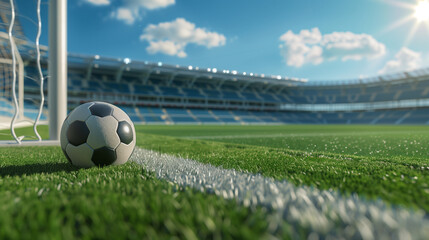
point(315, 40)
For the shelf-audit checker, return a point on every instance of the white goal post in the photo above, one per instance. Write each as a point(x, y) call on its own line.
point(57, 67)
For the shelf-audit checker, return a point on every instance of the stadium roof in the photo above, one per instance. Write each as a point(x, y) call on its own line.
point(129, 65)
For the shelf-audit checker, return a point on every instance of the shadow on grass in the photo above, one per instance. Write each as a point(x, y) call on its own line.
point(29, 169)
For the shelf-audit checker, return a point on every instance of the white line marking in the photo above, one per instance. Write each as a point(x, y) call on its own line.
point(327, 214)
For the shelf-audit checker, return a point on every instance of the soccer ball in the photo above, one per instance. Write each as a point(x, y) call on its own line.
point(97, 134)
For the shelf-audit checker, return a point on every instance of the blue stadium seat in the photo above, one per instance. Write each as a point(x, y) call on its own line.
point(177, 111)
point(182, 119)
point(5, 104)
point(384, 96)
point(250, 97)
point(251, 120)
point(329, 91)
point(230, 88)
point(221, 112)
point(361, 121)
point(228, 120)
point(145, 90)
point(229, 95)
point(193, 93)
point(155, 81)
point(128, 109)
point(144, 110)
point(284, 98)
point(33, 115)
point(170, 91)
point(135, 118)
point(153, 119)
point(212, 93)
point(6, 113)
point(156, 110)
point(411, 94)
point(341, 99)
point(30, 105)
point(242, 113)
point(261, 113)
point(299, 99)
point(268, 98)
point(30, 83)
point(268, 120)
point(364, 98)
point(119, 87)
point(207, 119)
point(417, 116)
point(200, 112)
point(322, 99)
point(204, 85)
point(374, 89)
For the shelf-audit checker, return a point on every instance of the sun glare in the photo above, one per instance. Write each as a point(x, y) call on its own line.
point(422, 11)
point(419, 18)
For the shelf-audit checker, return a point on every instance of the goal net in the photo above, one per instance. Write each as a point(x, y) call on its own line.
point(24, 71)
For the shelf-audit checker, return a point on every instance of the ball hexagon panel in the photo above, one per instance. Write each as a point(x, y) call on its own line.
point(80, 155)
point(103, 156)
point(123, 151)
point(101, 109)
point(77, 133)
point(122, 116)
point(102, 132)
point(81, 113)
point(125, 132)
point(63, 135)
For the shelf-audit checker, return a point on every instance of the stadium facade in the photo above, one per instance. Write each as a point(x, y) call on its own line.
point(157, 93)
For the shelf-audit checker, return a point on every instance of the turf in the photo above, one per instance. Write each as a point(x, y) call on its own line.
point(39, 191)
point(361, 140)
point(42, 195)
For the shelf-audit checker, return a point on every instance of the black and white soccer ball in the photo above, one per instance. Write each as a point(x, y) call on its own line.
point(97, 134)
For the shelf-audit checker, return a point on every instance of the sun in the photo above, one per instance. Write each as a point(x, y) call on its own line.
point(418, 18)
point(421, 11)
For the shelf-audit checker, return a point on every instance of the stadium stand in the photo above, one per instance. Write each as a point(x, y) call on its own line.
point(156, 93)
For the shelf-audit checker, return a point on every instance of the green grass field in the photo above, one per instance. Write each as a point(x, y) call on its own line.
point(40, 193)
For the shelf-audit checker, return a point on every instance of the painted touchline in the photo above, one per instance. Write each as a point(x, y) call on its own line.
point(326, 213)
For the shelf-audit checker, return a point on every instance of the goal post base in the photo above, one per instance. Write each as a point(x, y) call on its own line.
point(28, 143)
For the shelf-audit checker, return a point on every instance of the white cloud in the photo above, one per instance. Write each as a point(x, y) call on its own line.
point(348, 45)
point(124, 14)
point(405, 60)
point(153, 4)
point(310, 46)
point(167, 47)
point(171, 38)
point(98, 2)
point(299, 49)
point(132, 10)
